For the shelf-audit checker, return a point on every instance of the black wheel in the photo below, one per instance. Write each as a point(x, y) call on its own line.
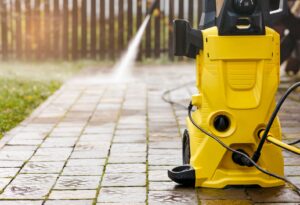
point(186, 151)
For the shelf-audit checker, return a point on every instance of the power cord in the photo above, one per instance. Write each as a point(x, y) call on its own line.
point(167, 92)
point(294, 143)
point(248, 160)
point(257, 153)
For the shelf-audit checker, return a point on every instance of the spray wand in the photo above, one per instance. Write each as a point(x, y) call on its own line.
point(153, 6)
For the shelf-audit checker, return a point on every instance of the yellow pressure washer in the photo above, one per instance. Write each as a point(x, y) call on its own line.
point(232, 131)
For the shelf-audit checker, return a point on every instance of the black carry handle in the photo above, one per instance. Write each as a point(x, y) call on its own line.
point(237, 19)
point(187, 41)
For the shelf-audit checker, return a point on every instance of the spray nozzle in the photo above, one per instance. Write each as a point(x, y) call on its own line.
point(153, 6)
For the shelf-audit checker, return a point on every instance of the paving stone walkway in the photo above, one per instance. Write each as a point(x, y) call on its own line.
point(94, 142)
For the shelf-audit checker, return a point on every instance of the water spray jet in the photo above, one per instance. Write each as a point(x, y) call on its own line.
point(123, 68)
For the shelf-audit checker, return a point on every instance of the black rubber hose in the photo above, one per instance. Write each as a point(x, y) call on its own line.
point(294, 143)
point(296, 188)
point(257, 153)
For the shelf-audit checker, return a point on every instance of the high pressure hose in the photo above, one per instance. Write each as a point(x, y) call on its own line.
point(294, 143)
point(167, 92)
point(257, 153)
point(245, 158)
point(283, 145)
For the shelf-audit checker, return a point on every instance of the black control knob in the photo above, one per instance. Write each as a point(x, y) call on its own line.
point(221, 123)
point(246, 7)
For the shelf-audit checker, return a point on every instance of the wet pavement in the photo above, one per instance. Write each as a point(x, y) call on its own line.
point(95, 142)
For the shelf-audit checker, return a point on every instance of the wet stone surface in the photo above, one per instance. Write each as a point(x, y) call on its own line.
point(29, 186)
point(77, 182)
point(273, 195)
point(42, 167)
point(227, 202)
point(122, 195)
point(126, 159)
point(95, 143)
point(4, 182)
point(69, 202)
point(11, 164)
point(85, 162)
point(20, 202)
point(173, 197)
point(83, 171)
point(124, 180)
point(126, 168)
point(224, 194)
point(8, 172)
point(15, 155)
point(51, 154)
point(72, 194)
point(158, 175)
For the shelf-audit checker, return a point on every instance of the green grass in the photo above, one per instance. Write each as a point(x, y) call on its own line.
point(19, 97)
point(25, 85)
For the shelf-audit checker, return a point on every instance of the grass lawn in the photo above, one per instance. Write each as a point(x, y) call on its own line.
point(19, 97)
point(24, 86)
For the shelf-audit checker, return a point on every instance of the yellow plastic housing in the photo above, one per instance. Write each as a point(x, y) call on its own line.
point(237, 76)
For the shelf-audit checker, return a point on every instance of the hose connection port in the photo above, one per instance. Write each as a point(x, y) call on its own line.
point(240, 159)
point(221, 123)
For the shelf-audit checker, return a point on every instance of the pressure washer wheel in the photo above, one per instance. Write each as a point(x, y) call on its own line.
point(186, 151)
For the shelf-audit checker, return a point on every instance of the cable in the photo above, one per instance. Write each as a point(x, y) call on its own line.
point(173, 89)
point(255, 157)
point(257, 153)
point(294, 143)
point(250, 160)
point(297, 189)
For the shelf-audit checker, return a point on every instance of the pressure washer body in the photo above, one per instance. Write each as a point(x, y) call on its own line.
point(237, 75)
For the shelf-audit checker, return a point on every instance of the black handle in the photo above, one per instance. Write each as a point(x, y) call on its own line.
point(187, 41)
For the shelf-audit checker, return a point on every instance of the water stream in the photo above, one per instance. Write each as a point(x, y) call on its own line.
point(122, 70)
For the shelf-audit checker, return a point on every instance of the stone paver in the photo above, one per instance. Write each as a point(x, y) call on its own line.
point(77, 182)
point(126, 168)
point(72, 194)
point(20, 202)
point(69, 202)
point(42, 167)
point(122, 195)
point(226, 202)
point(96, 142)
point(273, 195)
point(173, 197)
point(83, 171)
point(29, 186)
point(124, 180)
